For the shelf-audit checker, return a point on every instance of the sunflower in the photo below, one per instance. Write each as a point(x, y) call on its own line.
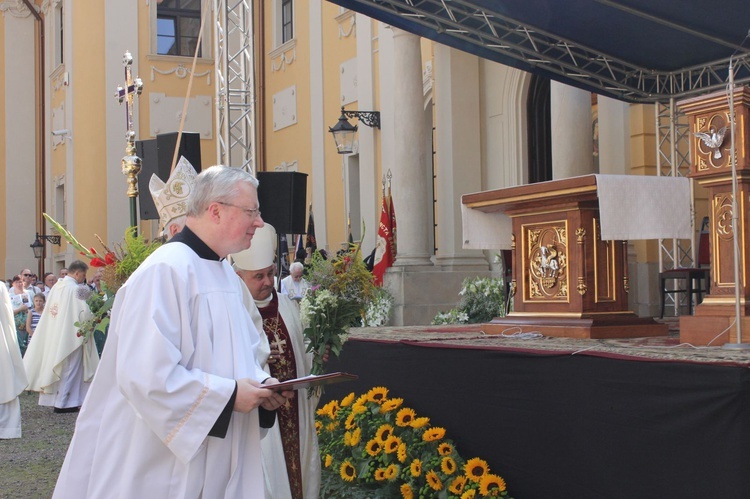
point(475, 469)
point(420, 422)
point(405, 416)
point(416, 468)
point(347, 471)
point(358, 408)
point(448, 465)
point(347, 401)
point(384, 432)
point(330, 409)
point(391, 404)
point(355, 437)
point(377, 394)
point(391, 444)
point(349, 422)
point(329, 460)
point(391, 472)
point(445, 449)
point(434, 433)
point(406, 492)
point(380, 474)
point(330, 427)
point(469, 494)
point(374, 447)
point(433, 480)
point(401, 452)
point(318, 427)
point(491, 485)
point(457, 485)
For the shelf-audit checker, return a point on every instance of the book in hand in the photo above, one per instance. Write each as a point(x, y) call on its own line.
point(311, 381)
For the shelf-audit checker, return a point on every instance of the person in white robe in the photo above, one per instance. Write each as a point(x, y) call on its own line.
point(173, 411)
point(12, 375)
point(291, 460)
point(59, 363)
point(294, 284)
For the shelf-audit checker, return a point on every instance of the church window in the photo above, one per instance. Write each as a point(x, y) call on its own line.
point(177, 25)
point(287, 21)
point(58, 34)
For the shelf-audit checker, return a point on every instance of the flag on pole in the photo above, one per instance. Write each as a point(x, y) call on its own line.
point(310, 241)
point(392, 214)
point(299, 250)
point(383, 244)
point(350, 238)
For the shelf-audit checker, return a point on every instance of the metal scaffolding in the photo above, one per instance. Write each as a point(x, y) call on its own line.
point(235, 84)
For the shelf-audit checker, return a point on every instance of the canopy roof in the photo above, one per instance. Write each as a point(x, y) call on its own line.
point(632, 50)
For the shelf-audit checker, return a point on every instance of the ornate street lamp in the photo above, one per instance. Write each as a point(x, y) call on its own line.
point(38, 246)
point(343, 131)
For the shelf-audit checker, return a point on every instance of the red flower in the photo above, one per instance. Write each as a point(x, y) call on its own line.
point(110, 258)
point(98, 262)
point(92, 250)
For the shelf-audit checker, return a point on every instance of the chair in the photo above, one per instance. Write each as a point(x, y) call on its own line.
point(693, 280)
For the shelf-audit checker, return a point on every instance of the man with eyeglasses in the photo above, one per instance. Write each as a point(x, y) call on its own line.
point(28, 285)
point(173, 409)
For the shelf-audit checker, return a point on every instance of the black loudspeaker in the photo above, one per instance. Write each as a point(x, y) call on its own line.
point(156, 157)
point(282, 197)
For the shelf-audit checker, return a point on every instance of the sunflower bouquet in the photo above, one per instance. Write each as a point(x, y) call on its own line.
point(340, 291)
point(373, 446)
point(116, 263)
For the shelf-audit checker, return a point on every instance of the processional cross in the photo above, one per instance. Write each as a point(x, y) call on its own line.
point(131, 163)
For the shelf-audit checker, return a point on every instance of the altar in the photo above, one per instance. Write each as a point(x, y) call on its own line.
point(569, 243)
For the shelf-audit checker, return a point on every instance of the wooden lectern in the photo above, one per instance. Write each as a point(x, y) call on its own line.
point(567, 281)
point(711, 167)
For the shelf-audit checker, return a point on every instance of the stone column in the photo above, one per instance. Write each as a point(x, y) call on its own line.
point(572, 135)
point(412, 182)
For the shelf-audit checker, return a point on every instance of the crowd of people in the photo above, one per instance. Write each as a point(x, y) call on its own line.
point(181, 402)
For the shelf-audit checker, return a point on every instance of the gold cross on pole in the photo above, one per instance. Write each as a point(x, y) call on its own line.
point(131, 163)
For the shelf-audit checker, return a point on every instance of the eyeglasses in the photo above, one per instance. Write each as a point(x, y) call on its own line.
point(27, 275)
point(253, 214)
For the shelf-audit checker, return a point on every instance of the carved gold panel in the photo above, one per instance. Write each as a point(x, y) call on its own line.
point(723, 239)
point(545, 261)
point(605, 290)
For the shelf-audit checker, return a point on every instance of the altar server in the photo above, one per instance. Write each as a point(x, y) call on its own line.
point(173, 410)
point(12, 374)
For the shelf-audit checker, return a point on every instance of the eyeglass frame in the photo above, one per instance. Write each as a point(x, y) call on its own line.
point(252, 213)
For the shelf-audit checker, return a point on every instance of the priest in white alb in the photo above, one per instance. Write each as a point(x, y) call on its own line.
point(291, 460)
point(12, 375)
point(59, 363)
point(174, 408)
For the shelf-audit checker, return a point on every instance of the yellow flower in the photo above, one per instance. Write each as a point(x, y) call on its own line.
point(405, 416)
point(384, 432)
point(434, 433)
point(346, 401)
point(391, 472)
point(358, 409)
point(374, 447)
point(433, 480)
point(475, 469)
point(347, 471)
point(445, 449)
point(448, 465)
point(491, 485)
point(354, 437)
point(401, 453)
point(329, 460)
point(330, 409)
point(391, 444)
point(457, 485)
point(391, 404)
point(318, 427)
point(469, 494)
point(420, 422)
point(332, 426)
point(377, 394)
point(406, 492)
point(380, 474)
point(416, 468)
point(349, 423)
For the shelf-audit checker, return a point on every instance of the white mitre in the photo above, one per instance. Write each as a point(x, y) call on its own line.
point(170, 199)
point(261, 253)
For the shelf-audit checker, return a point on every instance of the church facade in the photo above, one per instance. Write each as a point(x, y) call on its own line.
point(450, 124)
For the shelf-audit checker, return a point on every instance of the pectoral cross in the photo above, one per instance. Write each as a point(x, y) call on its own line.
point(278, 343)
point(131, 163)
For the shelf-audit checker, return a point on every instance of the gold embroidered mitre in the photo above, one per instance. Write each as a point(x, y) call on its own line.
point(170, 199)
